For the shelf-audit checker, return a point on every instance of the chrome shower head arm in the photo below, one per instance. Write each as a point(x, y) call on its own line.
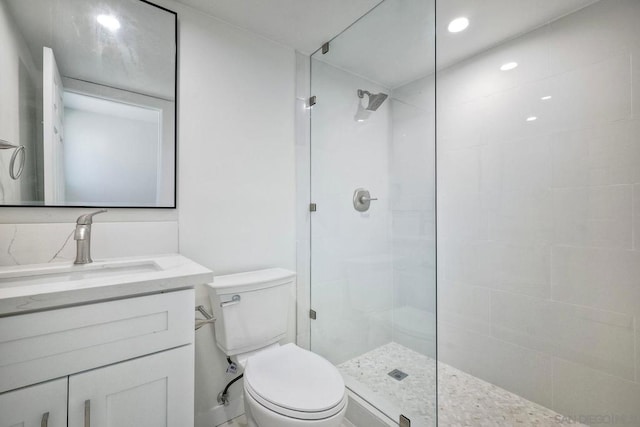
point(362, 93)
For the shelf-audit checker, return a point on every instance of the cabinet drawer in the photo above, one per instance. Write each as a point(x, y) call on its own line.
point(50, 344)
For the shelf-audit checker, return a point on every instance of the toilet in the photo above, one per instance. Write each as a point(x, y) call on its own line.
point(284, 385)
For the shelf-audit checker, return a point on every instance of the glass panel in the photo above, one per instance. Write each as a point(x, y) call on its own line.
point(538, 249)
point(373, 261)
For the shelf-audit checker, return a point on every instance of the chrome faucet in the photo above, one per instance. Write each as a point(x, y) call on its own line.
point(83, 237)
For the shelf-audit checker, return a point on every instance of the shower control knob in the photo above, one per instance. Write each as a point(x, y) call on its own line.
point(365, 199)
point(362, 200)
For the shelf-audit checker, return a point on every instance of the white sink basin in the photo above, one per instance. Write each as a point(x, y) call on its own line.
point(35, 287)
point(69, 272)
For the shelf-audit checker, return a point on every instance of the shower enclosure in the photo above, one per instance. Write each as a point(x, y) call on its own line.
point(518, 126)
point(373, 231)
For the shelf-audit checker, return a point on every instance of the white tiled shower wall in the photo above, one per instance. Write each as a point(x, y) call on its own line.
point(412, 182)
point(538, 221)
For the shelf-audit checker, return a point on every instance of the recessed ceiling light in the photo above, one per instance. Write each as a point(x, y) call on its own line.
point(109, 21)
point(546, 98)
point(458, 24)
point(532, 119)
point(508, 66)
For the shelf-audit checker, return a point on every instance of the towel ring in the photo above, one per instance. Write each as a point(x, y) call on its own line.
point(12, 164)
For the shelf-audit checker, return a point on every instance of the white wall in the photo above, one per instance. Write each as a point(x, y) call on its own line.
point(539, 284)
point(236, 149)
point(236, 189)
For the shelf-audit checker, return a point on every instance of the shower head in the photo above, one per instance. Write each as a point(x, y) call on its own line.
point(375, 99)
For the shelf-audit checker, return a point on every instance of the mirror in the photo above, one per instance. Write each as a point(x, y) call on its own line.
point(87, 103)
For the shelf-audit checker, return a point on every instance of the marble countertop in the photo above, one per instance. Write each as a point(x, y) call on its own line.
point(37, 287)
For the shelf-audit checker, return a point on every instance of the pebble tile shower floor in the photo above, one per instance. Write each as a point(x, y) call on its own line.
point(464, 400)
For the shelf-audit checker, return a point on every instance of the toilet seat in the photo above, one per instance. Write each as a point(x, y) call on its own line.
point(295, 383)
point(307, 416)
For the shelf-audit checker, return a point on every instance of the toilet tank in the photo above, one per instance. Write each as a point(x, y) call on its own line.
point(252, 309)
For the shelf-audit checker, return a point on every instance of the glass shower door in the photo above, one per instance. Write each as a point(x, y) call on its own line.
point(373, 231)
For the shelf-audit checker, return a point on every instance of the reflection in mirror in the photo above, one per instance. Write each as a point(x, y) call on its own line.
point(88, 103)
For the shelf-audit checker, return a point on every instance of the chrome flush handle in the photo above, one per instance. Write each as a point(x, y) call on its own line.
point(234, 300)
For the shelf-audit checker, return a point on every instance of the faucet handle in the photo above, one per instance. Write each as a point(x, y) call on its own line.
point(87, 219)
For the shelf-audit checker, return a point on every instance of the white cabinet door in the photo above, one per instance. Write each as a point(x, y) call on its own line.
point(42, 405)
point(151, 391)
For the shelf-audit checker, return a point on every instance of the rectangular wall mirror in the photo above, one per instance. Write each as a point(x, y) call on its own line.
point(87, 103)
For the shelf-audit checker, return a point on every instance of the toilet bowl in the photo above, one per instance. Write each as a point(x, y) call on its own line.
point(284, 385)
point(291, 387)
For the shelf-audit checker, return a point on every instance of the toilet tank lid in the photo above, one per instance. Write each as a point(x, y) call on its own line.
point(252, 280)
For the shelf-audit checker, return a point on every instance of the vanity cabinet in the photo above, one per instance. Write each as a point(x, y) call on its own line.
point(124, 363)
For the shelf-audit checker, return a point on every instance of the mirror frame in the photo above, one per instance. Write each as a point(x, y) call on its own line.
point(175, 138)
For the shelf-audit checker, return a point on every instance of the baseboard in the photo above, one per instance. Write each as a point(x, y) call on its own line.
point(220, 414)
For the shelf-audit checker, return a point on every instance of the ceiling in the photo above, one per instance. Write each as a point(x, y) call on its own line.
point(393, 44)
point(138, 57)
point(494, 21)
point(302, 24)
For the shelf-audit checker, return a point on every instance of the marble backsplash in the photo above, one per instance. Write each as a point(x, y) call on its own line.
point(53, 242)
